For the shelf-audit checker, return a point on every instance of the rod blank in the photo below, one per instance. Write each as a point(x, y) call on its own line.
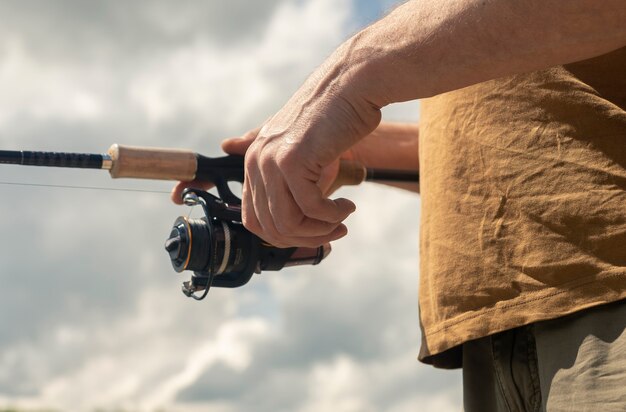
point(52, 159)
point(388, 175)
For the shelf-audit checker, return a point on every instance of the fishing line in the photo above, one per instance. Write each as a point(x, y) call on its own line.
point(112, 189)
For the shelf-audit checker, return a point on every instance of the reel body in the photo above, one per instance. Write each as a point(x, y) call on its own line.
point(221, 252)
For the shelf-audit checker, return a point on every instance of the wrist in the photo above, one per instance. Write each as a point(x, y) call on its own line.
point(378, 66)
point(359, 62)
point(340, 88)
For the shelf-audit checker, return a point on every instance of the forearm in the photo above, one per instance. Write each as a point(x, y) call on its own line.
point(427, 47)
point(390, 146)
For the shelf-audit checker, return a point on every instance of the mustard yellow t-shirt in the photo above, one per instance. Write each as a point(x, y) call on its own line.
point(523, 188)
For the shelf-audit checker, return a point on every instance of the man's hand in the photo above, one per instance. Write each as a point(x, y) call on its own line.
point(390, 146)
point(287, 163)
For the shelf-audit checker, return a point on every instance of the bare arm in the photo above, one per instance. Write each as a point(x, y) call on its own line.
point(421, 49)
point(427, 47)
point(390, 146)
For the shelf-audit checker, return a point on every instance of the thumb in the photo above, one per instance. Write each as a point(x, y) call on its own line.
point(239, 145)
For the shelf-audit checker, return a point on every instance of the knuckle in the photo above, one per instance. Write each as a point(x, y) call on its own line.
point(313, 209)
point(275, 240)
point(285, 160)
point(250, 158)
point(249, 221)
point(286, 226)
point(266, 163)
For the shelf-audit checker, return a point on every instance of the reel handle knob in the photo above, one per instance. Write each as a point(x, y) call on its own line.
point(350, 173)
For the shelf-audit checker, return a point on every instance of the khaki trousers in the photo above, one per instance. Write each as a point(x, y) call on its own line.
point(575, 363)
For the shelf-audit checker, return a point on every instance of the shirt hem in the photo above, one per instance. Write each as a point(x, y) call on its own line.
point(550, 303)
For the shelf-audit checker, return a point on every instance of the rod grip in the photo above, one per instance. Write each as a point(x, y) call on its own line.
point(153, 163)
point(350, 173)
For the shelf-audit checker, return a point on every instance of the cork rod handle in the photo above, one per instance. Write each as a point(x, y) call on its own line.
point(152, 163)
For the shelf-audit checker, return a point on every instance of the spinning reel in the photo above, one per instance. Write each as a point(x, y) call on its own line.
point(220, 251)
point(216, 247)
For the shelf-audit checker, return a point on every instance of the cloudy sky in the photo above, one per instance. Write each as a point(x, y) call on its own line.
point(91, 312)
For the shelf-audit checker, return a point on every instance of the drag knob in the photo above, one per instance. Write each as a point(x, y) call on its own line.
point(177, 245)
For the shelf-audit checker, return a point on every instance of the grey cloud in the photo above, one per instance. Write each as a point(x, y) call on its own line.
point(69, 284)
point(82, 260)
point(87, 29)
point(184, 131)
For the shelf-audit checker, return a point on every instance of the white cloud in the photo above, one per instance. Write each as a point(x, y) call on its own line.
point(92, 316)
point(231, 346)
point(336, 386)
point(441, 402)
point(42, 90)
point(213, 83)
point(344, 385)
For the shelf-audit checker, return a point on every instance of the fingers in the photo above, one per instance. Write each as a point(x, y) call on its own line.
point(239, 145)
point(278, 237)
point(233, 146)
point(176, 194)
point(271, 211)
point(282, 201)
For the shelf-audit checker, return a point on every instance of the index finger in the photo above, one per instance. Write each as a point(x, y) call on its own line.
point(177, 191)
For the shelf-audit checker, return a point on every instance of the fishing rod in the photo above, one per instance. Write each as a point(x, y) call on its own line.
point(182, 165)
point(216, 247)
